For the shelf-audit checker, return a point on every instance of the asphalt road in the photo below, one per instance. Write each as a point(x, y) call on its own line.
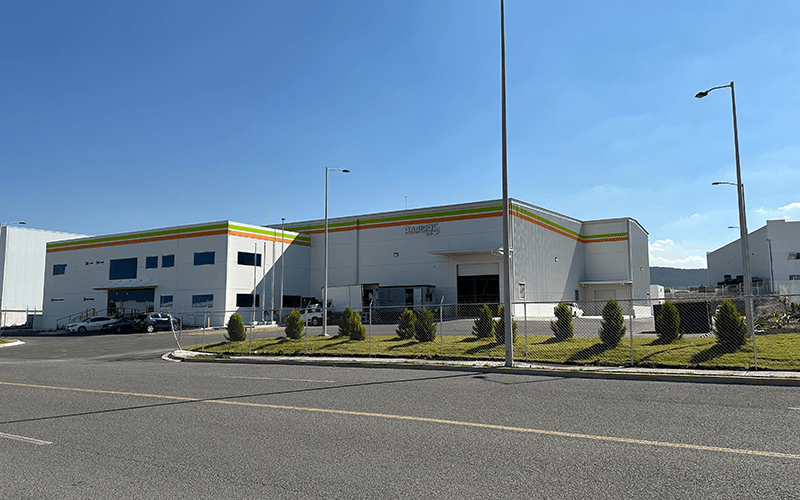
point(105, 417)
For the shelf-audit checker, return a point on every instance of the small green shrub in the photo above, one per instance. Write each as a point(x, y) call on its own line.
point(294, 325)
point(235, 327)
point(405, 325)
point(612, 326)
point(668, 323)
point(500, 328)
point(484, 324)
point(424, 327)
point(562, 328)
point(350, 325)
point(729, 326)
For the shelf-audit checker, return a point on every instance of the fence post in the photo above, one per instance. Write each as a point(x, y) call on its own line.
point(525, 313)
point(630, 323)
point(441, 328)
point(370, 326)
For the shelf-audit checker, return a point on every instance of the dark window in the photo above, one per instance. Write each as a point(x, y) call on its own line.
point(249, 259)
point(166, 301)
point(151, 263)
point(793, 277)
point(59, 269)
point(203, 258)
point(246, 300)
point(122, 269)
point(204, 300)
point(292, 301)
point(168, 261)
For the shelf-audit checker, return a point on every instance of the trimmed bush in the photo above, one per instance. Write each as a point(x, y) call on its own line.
point(612, 326)
point(294, 325)
point(235, 327)
point(484, 324)
point(729, 326)
point(405, 325)
point(424, 327)
point(562, 328)
point(500, 328)
point(350, 325)
point(668, 323)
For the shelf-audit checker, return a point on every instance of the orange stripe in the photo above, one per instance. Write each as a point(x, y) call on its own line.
point(568, 235)
point(406, 223)
point(176, 237)
point(276, 239)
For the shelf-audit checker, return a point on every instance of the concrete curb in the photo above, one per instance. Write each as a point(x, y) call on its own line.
point(748, 377)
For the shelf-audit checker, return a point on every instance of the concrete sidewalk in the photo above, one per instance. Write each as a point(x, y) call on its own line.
point(765, 377)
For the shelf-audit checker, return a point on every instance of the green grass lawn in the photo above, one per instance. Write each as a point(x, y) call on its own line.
point(7, 341)
point(775, 352)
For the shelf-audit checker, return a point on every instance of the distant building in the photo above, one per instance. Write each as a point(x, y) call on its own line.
point(774, 260)
point(22, 256)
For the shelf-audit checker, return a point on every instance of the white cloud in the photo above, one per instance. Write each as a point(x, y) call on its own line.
point(791, 206)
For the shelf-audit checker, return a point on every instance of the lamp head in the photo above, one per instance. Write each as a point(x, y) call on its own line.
point(700, 95)
point(345, 171)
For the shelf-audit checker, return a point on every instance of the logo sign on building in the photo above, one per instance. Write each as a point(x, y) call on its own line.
point(424, 229)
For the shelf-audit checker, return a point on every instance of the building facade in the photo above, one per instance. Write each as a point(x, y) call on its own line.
point(454, 254)
point(410, 258)
point(202, 272)
point(774, 260)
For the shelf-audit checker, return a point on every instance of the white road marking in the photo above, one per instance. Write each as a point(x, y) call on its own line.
point(23, 438)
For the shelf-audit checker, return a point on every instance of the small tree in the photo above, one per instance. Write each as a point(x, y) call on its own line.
point(405, 325)
point(668, 323)
point(729, 326)
point(235, 326)
point(294, 325)
point(500, 328)
point(424, 327)
point(350, 325)
point(484, 324)
point(612, 326)
point(562, 328)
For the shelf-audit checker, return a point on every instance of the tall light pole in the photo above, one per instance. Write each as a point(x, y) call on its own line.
point(509, 335)
point(747, 277)
point(325, 288)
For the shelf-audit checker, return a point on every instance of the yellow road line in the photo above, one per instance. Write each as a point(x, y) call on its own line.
point(460, 423)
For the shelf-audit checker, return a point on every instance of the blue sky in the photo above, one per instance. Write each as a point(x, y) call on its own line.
point(119, 116)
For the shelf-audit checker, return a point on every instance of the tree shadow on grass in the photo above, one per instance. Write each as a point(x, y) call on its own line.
point(712, 352)
point(408, 343)
point(483, 348)
point(590, 352)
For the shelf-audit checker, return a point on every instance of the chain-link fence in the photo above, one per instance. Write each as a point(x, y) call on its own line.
point(18, 319)
point(587, 332)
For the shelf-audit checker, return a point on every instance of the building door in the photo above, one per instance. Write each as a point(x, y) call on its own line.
point(478, 283)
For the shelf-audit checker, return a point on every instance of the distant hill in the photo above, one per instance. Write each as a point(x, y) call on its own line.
point(672, 277)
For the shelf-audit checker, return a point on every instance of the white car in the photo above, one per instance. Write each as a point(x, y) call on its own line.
point(575, 310)
point(312, 314)
point(94, 324)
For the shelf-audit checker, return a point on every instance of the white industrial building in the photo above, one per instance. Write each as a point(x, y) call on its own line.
point(774, 259)
point(454, 253)
point(22, 262)
point(204, 272)
point(451, 254)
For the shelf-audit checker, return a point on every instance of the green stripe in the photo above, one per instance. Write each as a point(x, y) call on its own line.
point(149, 234)
point(400, 218)
point(160, 233)
point(566, 230)
point(267, 232)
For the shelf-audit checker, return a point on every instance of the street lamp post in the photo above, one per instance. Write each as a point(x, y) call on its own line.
point(747, 277)
point(283, 263)
point(325, 288)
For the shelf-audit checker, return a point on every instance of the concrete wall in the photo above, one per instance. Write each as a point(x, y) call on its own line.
point(22, 270)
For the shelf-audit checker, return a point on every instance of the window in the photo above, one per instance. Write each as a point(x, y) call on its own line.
point(204, 300)
point(151, 263)
point(246, 300)
point(59, 269)
point(203, 258)
point(249, 259)
point(168, 261)
point(122, 269)
point(166, 301)
point(793, 277)
point(294, 301)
